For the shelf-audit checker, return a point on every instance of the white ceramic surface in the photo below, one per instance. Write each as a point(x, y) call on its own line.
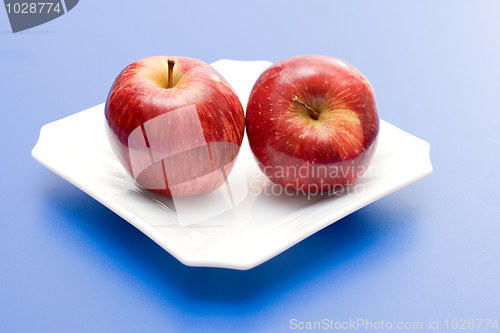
point(258, 223)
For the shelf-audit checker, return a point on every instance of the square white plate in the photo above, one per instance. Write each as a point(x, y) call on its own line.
point(262, 223)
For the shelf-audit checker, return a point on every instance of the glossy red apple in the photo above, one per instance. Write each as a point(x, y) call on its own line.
point(312, 123)
point(175, 124)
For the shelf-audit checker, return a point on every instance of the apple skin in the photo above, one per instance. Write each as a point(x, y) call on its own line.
point(179, 141)
point(302, 153)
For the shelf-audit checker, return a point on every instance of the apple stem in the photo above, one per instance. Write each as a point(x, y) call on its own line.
point(314, 113)
point(171, 64)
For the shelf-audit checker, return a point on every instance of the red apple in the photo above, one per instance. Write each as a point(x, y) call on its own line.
point(312, 123)
point(175, 124)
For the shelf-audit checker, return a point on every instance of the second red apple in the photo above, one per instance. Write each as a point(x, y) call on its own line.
point(312, 123)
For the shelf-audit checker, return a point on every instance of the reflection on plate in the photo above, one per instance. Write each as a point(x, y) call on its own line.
point(248, 220)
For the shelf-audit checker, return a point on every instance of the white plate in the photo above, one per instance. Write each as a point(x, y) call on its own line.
point(263, 222)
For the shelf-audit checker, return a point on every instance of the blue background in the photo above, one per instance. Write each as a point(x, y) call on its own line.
point(427, 252)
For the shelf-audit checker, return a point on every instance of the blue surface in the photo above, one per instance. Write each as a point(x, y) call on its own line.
point(427, 252)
